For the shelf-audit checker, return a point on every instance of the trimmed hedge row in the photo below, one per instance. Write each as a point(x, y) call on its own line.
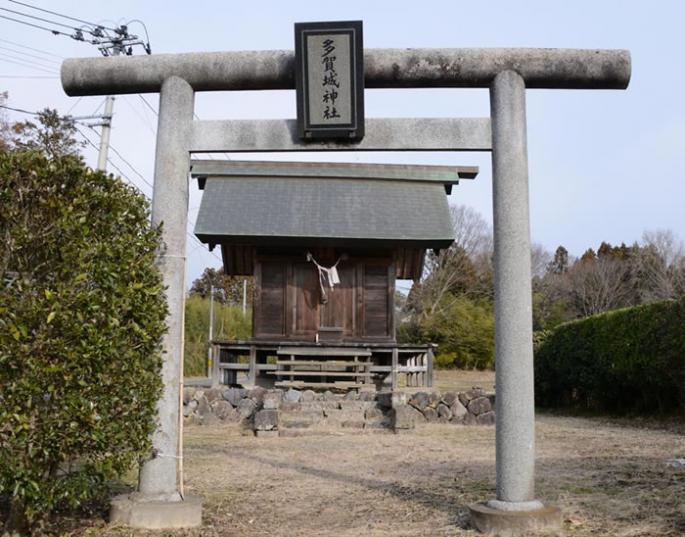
point(628, 360)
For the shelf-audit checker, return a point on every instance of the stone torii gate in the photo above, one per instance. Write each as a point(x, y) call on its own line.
point(507, 73)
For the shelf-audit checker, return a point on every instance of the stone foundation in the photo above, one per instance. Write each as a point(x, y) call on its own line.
point(293, 412)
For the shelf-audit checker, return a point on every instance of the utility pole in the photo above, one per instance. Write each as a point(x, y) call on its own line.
point(104, 136)
point(121, 42)
point(109, 41)
point(211, 331)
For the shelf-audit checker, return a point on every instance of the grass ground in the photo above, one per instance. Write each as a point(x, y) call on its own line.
point(609, 479)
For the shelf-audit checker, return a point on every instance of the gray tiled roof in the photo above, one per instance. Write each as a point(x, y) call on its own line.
point(263, 207)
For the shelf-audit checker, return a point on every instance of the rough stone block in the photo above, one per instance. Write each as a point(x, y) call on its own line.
point(224, 411)
point(288, 406)
point(372, 413)
point(390, 399)
point(199, 394)
point(434, 399)
point(469, 419)
point(420, 400)
point(353, 424)
point(267, 434)
point(430, 414)
point(213, 394)
point(367, 395)
point(487, 418)
point(403, 417)
point(352, 395)
point(272, 399)
point(479, 405)
point(375, 418)
point(234, 395)
point(270, 404)
point(458, 411)
point(257, 394)
point(329, 396)
point(444, 412)
point(188, 393)
point(190, 407)
point(384, 399)
point(359, 406)
point(266, 420)
point(204, 419)
point(301, 419)
point(292, 395)
point(473, 393)
point(449, 398)
point(246, 408)
point(308, 395)
point(344, 418)
point(203, 407)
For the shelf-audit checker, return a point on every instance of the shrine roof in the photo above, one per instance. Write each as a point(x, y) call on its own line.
point(325, 203)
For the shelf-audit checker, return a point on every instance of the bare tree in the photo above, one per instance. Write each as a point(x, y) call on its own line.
point(540, 258)
point(661, 266)
point(599, 285)
point(472, 233)
point(458, 270)
point(5, 136)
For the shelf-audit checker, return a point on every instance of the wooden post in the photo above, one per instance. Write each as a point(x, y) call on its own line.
point(252, 373)
point(429, 368)
point(216, 372)
point(420, 377)
point(393, 373)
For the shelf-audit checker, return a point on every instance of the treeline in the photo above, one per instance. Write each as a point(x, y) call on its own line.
point(453, 304)
point(230, 322)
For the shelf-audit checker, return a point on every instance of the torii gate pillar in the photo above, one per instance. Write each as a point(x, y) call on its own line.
point(506, 72)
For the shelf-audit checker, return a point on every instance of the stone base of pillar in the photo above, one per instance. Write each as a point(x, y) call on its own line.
point(511, 523)
point(135, 511)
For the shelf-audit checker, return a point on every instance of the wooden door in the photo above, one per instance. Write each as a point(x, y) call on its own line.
point(377, 303)
point(305, 300)
point(339, 311)
point(269, 304)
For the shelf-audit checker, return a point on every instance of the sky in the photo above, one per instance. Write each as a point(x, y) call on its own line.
point(604, 165)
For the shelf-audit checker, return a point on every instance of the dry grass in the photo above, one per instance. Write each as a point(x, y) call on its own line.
point(455, 380)
point(610, 479)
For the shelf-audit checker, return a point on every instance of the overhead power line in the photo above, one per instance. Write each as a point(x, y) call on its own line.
point(31, 48)
point(20, 110)
point(51, 30)
point(41, 19)
point(60, 14)
point(41, 58)
point(132, 183)
point(26, 60)
point(27, 65)
point(29, 76)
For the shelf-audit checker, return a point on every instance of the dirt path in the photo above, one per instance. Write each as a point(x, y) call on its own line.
point(609, 480)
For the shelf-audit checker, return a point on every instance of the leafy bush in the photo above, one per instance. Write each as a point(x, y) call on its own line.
point(629, 360)
point(82, 313)
point(229, 323)
point(464, 330)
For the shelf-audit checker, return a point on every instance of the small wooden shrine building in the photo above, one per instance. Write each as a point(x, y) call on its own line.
point(325, 244)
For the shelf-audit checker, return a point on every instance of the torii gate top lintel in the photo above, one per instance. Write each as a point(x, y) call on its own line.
point(383, 68)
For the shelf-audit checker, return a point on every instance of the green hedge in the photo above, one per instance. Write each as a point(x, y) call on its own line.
point(623, 361)
point(82, 313)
